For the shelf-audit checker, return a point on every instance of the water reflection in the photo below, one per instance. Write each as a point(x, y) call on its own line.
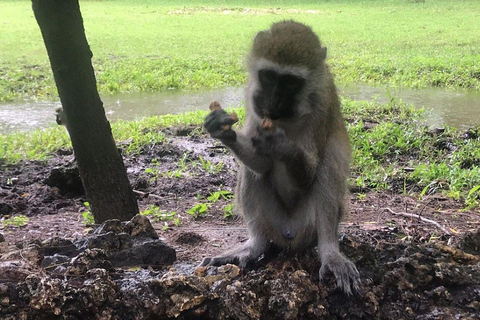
point(458, 108)
point(455, 108)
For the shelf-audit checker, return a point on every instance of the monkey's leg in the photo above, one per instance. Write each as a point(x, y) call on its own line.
point(344, 270)
point(241, 255)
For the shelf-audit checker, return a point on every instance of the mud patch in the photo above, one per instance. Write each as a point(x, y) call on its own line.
point(411, 268)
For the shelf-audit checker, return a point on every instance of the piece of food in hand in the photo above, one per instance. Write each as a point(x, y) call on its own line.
point(267, 124)
point(215, 105)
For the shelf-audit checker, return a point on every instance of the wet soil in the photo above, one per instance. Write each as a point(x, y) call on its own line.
point(419, 259)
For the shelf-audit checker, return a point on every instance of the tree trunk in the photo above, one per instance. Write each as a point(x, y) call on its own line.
point(100, 164)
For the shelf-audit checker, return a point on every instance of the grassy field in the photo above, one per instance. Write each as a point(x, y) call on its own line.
point(151, 45)
point(144, 46)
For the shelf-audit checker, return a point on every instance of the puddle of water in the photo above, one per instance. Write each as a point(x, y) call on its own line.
point(454, 108)
point(457, 108)
point(37, 115)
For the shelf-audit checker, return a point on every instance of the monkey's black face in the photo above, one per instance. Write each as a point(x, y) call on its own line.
point(278, 94)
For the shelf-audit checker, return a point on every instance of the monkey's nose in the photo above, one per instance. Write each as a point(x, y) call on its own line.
point(288, 234)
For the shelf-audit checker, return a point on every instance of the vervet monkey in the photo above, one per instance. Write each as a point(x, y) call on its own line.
point(294, 152)
point(60, 116)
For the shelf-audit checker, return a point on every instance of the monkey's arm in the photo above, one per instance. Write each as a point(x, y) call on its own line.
point(240, 144)
point(245, 152)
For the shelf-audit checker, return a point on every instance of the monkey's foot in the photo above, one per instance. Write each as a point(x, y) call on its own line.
point(344, 270)
point(240, 256)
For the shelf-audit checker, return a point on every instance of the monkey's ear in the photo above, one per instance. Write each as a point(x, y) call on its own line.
point(260, 38)
point(323, 53)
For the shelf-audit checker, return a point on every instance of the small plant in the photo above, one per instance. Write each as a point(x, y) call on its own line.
point(210, 167)
point(174, 174)
point(217, 195)
point(177, 222)
point(153, 171)
point(228, 210)
point(182, 163)
point(361, 196)
point(87, 215)
point(156, 214)
point(181, 168)
point(198, 210)
point(16, 221)
point(472, 199)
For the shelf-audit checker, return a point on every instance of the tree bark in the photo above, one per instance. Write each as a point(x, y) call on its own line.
point(99, 162)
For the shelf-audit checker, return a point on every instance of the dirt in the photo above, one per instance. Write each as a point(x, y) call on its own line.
point(419, 259)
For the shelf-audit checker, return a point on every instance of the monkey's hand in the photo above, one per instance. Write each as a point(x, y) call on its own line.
point(269, 143)
point(344, 270)
point(218, 123)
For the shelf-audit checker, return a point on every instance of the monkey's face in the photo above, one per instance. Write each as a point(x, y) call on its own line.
point(278, 94)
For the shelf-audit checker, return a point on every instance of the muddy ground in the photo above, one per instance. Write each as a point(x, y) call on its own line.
point(412, 268)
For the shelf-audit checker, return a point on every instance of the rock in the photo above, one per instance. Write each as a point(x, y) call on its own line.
point(140, 226)
point(31, 253)
point(150, 252)
point(3, 244)
point(89, 259)
point(471, 243)
point(407, 281)
point(47, 294)
point(445, 144)
point(472, 133)
point(134, 243)
point(57, 263)
point(16, 270)
point(110, 242)
point(5, 209)
point(113, 225)
point(66, 180)
point(99, 287)
point(184, 292)
point(213, 274)
point(141, 183)
point(57, 245)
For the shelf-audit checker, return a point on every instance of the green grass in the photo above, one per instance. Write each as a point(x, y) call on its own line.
point(152, 46)
point(392, 149)
point(396, 152)
point(40, 144)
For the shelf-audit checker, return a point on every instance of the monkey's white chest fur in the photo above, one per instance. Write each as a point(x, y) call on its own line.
point(283, 184)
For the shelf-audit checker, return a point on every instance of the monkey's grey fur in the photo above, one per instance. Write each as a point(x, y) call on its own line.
point(60, 116)
point(292, 180)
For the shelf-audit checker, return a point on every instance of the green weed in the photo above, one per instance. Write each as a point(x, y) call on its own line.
point(87, 215)
point(199, 210)
point(229, 210)
point(157, 214)
point(17, 221)
point(210, 167)
point(217, 195)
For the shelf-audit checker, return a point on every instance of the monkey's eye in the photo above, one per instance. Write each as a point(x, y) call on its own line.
point(267, 76)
